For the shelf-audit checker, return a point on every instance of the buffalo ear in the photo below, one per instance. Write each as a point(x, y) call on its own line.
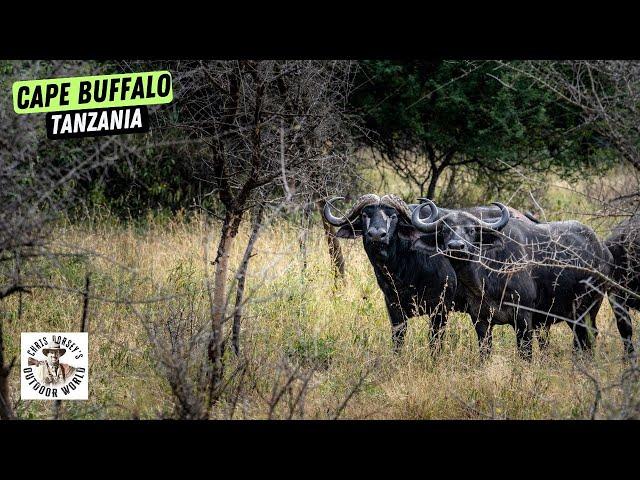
point(350, 230)
point(425, 243)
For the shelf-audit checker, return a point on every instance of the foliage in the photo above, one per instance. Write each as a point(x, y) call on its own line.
point(428, 116)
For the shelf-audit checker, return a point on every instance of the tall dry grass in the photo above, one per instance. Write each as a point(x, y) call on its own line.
point(335, 335)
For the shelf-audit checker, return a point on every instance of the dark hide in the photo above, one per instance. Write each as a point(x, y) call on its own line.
point(525, 265)
point(624, 245)
point(413, 283)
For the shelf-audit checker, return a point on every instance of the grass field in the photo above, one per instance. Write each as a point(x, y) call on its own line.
point(321, 348)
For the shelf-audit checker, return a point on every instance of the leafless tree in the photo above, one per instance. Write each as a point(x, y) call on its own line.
point(607, 92)
point(271, 133)
point(37, 179)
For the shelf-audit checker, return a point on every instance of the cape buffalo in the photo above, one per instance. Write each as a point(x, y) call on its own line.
point(513, 271)
point(624, 245)
point(413, 283)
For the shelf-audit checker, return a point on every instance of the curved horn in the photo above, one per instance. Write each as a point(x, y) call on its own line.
point(362, 202)
point(328, 216)
point(442, 211)
point(429, 224)
point(502, 221)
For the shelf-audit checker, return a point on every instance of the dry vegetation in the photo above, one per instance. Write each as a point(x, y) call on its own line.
point(311, 348)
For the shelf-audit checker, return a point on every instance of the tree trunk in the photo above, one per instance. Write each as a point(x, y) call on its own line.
point(451, 184)
point(6, 411)
point(304, 233)
point(218, 301)
point(57, 404)
point(335, 250)
point(433, 183)
point(256, 224)
point(436, 171)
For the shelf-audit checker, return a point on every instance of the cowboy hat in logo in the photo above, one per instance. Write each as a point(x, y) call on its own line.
point(54, 366)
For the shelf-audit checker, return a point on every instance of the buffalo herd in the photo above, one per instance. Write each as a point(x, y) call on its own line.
point(497, 264)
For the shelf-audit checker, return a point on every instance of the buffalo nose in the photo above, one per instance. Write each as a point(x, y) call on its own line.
point(376, 234)
point(455, 245)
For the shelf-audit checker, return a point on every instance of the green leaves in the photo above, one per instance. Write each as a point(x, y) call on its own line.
point(490, 116)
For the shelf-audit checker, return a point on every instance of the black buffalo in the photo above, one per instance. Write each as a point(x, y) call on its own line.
point(624, 245)
point(413, 283)
point(517, 272)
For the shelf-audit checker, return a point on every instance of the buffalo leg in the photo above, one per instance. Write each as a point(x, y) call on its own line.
point(585, 331)
point(583, 334)
point(524, 335)
point(623, 321)
point(398, 325)
point(484, 330)
point(582, 339)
